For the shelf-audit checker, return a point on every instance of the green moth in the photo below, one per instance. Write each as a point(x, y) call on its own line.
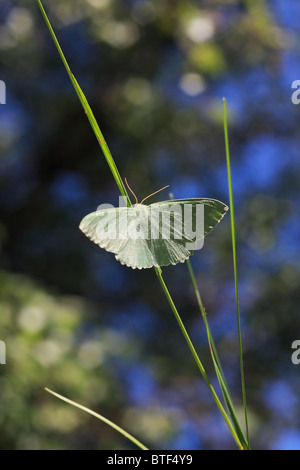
point(143, 236)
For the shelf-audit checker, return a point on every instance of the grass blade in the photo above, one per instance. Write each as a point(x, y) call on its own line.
point(102, 418)
point(235, 266)
point(216, 362)
point(88, 111)
point(200, 366)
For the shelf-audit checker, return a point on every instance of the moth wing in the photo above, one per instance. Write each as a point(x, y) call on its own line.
point(107, 227)
point(155, 246)
point(214, 211)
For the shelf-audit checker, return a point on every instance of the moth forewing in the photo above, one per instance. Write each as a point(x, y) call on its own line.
point(107, 224)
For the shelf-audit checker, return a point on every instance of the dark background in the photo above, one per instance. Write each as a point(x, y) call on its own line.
point(75, 320)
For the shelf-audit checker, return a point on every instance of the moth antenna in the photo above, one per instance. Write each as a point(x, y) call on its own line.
point(155, 193)
point(131, 191)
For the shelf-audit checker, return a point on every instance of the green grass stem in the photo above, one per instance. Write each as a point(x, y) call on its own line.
point(217, 363)
point(235, 266)
point(102, 418)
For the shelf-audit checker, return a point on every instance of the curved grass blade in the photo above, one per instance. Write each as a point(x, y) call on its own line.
point(102, 418)
point(235, 266)
point(217, 364)
point(201, 368)
point(88, 112)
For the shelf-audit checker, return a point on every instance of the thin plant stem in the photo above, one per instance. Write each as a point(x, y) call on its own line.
point(102, 418)
point(88, 111)
point(216, 361)
point(124, 193)
point(235, 266)
point(198, 361)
